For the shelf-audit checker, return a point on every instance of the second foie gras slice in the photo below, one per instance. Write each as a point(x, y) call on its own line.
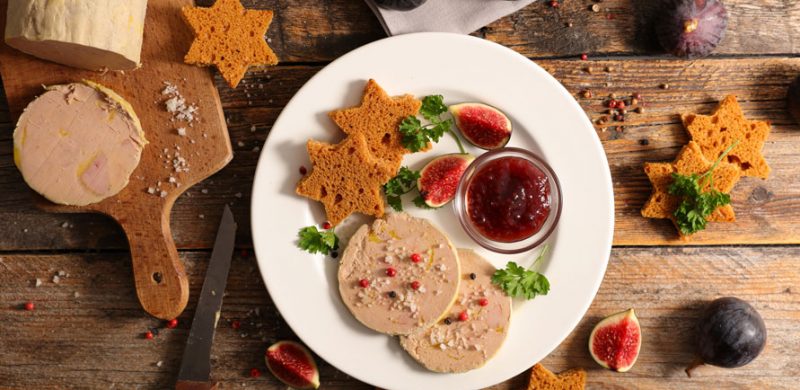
point(399, 275)
point(474, 330)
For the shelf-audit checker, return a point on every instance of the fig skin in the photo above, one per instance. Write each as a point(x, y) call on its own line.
point(793, 99)
point(400, 5)
point(730, 334)
point(442, 161)
point(692, 28)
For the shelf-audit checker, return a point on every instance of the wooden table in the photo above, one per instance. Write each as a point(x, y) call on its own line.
point(86, 331)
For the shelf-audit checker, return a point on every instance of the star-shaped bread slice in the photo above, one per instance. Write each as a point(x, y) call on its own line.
point(377, 119)
point(229, 37)
point(716, 132)
point(544, 379)
point(690, 160)
point(346, 178)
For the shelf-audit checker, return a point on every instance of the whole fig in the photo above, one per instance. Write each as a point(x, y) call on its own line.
point(400, 5)
point(692, 28)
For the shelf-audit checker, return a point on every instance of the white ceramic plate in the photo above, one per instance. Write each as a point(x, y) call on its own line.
point(546, 120)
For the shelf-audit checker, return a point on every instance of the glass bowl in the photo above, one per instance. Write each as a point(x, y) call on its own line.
point(461, 204)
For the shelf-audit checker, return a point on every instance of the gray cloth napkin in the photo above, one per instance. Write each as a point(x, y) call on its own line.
point(459, 16)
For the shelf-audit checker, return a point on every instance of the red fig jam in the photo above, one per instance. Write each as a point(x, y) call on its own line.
point(508, 199)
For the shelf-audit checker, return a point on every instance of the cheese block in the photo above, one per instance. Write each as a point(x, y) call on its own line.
point(88, 34)
point(78, 143)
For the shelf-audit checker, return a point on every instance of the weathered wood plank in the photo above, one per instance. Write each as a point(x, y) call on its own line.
point(314, 31)
point(80, 341)
point(768, 211)
point(626, 27)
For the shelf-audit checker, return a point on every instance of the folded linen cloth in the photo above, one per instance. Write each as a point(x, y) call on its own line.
point(459, 16)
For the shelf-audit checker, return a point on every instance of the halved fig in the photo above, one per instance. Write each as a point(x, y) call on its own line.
point(615, 341)
point(438, 180)
point(482, 125)
point(293, 364)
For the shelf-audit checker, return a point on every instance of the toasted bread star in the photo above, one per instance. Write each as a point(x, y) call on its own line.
point(346, 178)
point(229, 37)
point(715, 132)
point(544, 379)
point(690, 160)
point(377, 119)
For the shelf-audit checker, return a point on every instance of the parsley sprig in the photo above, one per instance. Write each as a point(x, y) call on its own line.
point(314, 240)
point(416, 136)
point(516, 281)
point(403, 183)
point(696, 205)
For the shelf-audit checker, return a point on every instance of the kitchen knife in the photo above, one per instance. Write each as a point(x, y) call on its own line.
point(195, 373)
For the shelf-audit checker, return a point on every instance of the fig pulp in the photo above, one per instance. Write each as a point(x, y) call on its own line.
point(400, 5)
point(293, 365)
point(730, 334)
point(483, 126)
point(615, 341)
point(438, 180)
point(692, 28)
point(793, 98)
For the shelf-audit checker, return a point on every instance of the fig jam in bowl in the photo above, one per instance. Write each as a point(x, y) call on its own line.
point(509, 200)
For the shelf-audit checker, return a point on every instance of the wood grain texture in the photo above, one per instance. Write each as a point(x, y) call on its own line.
point(80, 340)
point(160, 279)
point(768, 211)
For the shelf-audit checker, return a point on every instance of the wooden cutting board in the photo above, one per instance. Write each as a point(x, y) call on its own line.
point(161, 282)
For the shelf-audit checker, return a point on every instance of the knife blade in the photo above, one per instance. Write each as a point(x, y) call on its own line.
point(195, 372)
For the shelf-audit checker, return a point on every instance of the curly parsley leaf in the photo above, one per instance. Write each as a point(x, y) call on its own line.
point(416, 136)
point(403, 183)
point(432, 107)
point(313, 240)
point(517, 281)
point(697, 205)
point(419, 201)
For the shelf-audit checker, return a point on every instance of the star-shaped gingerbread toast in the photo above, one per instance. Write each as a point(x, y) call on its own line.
point(690, 160)
point(346, 178)
point(544, 379)
point(716, 132)
point(229, 37)
point(377, 119)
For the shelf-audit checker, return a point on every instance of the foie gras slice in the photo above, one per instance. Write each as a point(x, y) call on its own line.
point(88, 34)
point(78, 143)
point(425, 281)
point(458, 345)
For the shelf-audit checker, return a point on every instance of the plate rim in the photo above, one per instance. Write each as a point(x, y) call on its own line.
point(597, 144)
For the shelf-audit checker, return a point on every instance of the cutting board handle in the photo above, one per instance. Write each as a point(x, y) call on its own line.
point(158, 272)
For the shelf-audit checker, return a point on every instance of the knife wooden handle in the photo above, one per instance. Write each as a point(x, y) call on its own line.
point(193, 385)
point(161, 282)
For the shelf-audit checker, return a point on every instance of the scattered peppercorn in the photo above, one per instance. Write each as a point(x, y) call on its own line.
point(619, 118)
point(595, 8)
point(416, 258)
point(29, 306)
point(463, 316)
point(554, 3)
point(255, 373)
point(334, 254)
point(172, 324)
point(391, 272)
point(584, 57)
point(473, 276)
point(644, 142)
point(484, 302)
point(587, 94)
point(326, 225)
point(448, 321)
point(303, 170)
point(623, 111)
point(415, 285)
point(392, 294)
point(637, 96)
point(639, 110)
point(148, 335)
point(664, 86)
point(609, 69)
point(621, 104)
point(363, 283)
